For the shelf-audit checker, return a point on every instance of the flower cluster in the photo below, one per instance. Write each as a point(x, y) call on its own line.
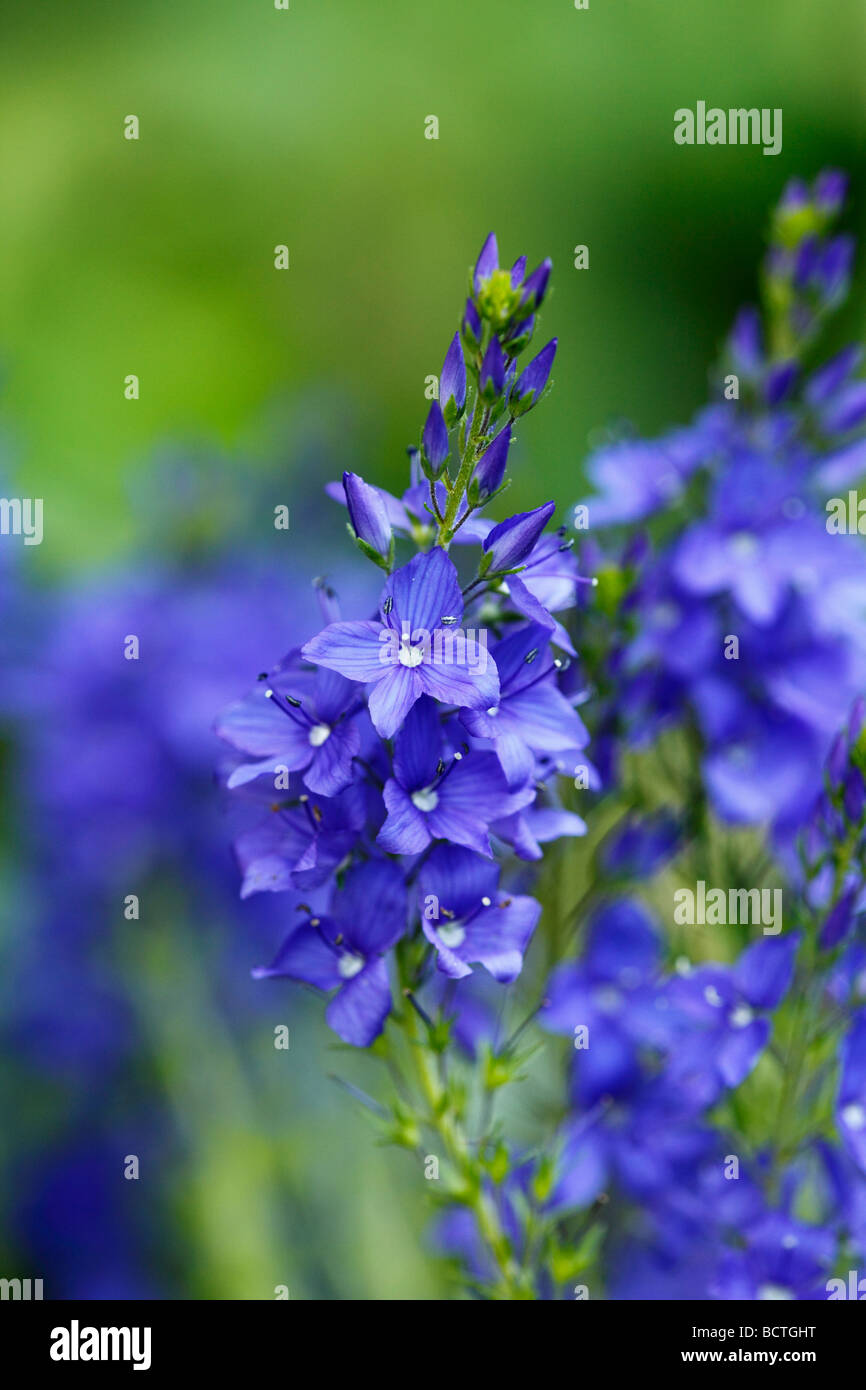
point(401, 758)
point(743, 609)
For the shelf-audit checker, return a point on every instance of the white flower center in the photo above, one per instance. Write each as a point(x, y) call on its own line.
point(712, 996)
point(609, 999)
point(409, 655)
point(774, 1292)
point(350, 964)
point(742, 1016)
point(452, 934)
point(743, 545)
point(426, 799)
point(854, 1116)
point(319, 734)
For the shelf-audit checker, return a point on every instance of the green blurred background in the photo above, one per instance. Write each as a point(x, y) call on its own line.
point(306, 127)
point(156, 257)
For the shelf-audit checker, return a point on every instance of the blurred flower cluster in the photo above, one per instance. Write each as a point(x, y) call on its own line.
point(108, 694)
point(743, 614)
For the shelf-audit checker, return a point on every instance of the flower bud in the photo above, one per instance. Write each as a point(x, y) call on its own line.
point(492, 378)
point(536, 287)
point(367, 513)
point(434, 442)
point(490, 469)
point(487, 262)
point(527, 390)
point(511, 541)
point(452, 383)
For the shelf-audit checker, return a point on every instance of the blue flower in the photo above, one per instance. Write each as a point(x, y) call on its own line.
point(344, 951)
point(412, 650)
point(728, 1006)
point(454, 797)
point(468, 920)
point(531, 716)
point(296, 721)
point(851, 1100)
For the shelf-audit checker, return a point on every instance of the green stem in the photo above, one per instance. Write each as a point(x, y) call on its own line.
point(441, 1119)
point(467, 463)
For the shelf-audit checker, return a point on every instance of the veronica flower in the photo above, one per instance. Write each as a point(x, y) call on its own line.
point(344, 951)
point(433, 798)
point(301, 843)
point(400, 655)
point(532, 716)
point(753, 548)
point(611, 993)
point(468, 920)
point(851, 1100)
point(781, 1259)
point(730, 1005)
point(298, 721)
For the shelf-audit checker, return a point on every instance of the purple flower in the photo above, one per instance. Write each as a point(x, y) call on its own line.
point(781, 1259)
point(728, 1006)
point(436, 797)
point(851, 1100)
point(414, 650)
point(634, 479)
point(831, 188)
point(640, 845)
point(610, 993)
point(297, 721)
point(532, 716)
point(344, 951)
point(301, 843)
point(468, 920)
